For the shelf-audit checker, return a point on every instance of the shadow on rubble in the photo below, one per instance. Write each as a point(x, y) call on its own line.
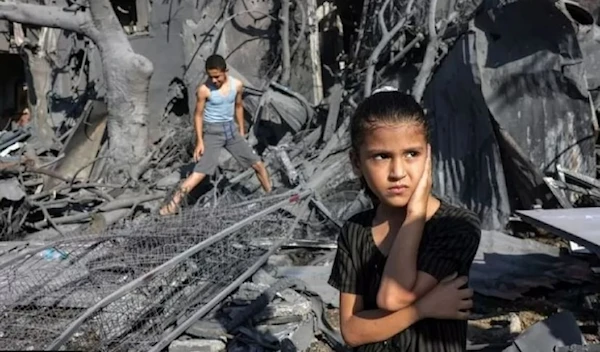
point(533, 286)
point(266, 314)
point(207, 185)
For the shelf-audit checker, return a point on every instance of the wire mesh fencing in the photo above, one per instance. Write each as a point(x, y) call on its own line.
point(123, 289)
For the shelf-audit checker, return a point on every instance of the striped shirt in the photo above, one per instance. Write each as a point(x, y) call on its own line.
point(448, 244)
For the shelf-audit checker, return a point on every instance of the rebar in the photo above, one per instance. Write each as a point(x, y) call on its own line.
point(121, 289)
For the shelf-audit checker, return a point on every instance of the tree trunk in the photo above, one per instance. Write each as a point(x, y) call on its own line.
point(39, 78)
point(127, 74)
point(284, 33)
point(39, 84)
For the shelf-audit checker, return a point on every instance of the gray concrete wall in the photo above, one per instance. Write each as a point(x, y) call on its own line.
point(178, 44)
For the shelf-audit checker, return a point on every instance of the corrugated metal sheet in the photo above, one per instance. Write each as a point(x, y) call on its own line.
point(508, 103)
point(580, 225)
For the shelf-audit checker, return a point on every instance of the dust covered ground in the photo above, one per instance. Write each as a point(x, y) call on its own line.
point(492, 319)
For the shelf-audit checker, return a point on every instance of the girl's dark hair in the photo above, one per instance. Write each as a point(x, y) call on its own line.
point(387, 107)
point(383, 108)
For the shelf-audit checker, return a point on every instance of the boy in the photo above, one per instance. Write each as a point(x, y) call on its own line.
point(218, 100)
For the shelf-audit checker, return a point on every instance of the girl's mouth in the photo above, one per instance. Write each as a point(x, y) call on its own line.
point(398, 190)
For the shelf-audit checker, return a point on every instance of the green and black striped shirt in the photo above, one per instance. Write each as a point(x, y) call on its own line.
point(448, 244)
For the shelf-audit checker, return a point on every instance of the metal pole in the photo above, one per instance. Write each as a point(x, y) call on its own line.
point(226, 291)
point(72, 328)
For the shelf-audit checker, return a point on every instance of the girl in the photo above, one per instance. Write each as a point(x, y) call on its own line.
point(401, 267)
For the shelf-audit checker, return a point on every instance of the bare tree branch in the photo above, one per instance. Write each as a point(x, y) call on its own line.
point(396, 58)
point(303, 25)
point(374, 58)
point(284, 30)
point(361, 30)
point(49, 16)
point(430, 54)
point(381, 17)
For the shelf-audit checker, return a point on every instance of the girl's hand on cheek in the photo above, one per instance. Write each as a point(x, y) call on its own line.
point(417, 205)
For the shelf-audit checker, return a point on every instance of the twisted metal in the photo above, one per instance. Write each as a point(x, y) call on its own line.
point(122, 289)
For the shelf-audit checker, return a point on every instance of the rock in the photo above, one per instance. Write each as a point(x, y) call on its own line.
point(301, 307)
point(516, 326)
point(293, 336)
point(315, 278)
point(207, 330)
point(197, 345)
point(169, 180)
point(263, 277)
point(280, 260)
point(248, 292)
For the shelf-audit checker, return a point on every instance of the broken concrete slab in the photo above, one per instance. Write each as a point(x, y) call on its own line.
point(315, 278)
point(291, 336)
point(558, 330)
point(248, 292)
point(197, 345)
point(207, 330)
point(506, 266)
point(579, 225)
point(11, 189)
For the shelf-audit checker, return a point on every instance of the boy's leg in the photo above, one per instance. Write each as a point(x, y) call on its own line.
point(187, 186)
point(245, 155)
point(263, 176)
point(213, 142)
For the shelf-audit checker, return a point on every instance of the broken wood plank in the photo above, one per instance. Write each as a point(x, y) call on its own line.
point(335, 100)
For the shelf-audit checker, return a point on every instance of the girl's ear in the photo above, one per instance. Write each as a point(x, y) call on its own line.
point(355, 161)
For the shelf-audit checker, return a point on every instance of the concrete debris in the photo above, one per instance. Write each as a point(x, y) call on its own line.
point(207, 330)
point(507, 267)
point(577, 225)
point(558, 330)
point(516, 326)
point(315, 278)
point(197, 345)
point(11, 190)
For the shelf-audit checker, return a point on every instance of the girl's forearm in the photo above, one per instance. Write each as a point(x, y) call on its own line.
point(372, 326)
point(400, 272)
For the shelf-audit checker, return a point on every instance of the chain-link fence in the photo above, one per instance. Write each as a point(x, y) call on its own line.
point(123, 289)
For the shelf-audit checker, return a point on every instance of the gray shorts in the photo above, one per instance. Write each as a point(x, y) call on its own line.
point(224, 135)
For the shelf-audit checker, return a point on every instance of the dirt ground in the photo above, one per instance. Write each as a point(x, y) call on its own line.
point(498, 322)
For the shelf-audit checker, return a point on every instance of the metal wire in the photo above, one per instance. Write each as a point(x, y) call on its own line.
point(155, 271)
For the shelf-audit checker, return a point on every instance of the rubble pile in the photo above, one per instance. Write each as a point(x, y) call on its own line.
point(87, 263)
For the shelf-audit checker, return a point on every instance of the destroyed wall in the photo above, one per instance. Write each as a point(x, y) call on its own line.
point(11, 76)
point(179, 36)
point(512, 89)
point(183, 33)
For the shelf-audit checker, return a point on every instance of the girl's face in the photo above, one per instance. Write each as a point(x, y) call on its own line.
point(391, 159)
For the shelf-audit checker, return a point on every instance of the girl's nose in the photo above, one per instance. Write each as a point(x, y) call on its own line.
point(397, 171)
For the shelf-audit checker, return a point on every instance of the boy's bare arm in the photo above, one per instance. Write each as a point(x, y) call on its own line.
point(239, 109)
point(201, 96)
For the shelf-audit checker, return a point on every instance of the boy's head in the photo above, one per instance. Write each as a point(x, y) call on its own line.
point(216, 69)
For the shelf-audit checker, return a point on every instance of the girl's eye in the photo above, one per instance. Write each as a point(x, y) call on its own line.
point(411, 155)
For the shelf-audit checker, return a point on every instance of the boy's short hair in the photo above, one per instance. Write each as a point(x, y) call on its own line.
point(216, 62)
